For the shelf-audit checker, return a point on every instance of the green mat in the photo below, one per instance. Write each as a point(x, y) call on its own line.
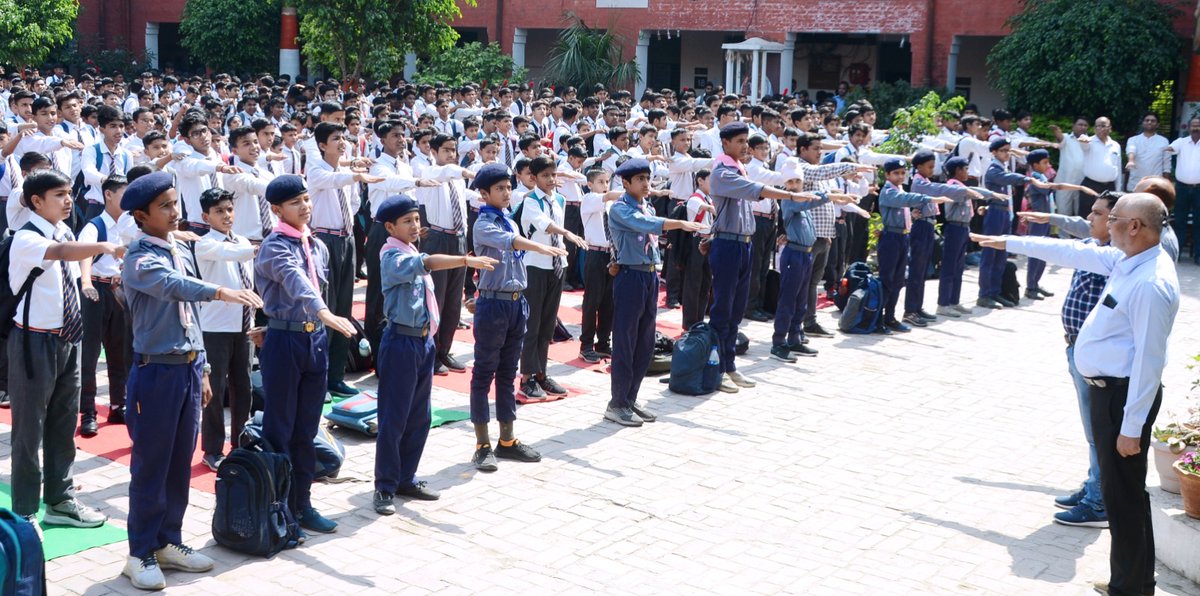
point(440, 416)
point(61, 541)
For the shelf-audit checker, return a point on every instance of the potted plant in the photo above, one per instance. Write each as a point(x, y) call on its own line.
point(1176, 438)
point(1187, 468)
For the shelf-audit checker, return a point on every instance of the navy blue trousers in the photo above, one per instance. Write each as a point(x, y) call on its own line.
point(893, 252)
point(163, 418)
point(954, 261)
point(996, 222)
point(635, 307)
point(1036, 267)
point(795, 272)
point(294, 371)
point(499, 336)
point(920, 251)
point(405, 382)
point(730, 263)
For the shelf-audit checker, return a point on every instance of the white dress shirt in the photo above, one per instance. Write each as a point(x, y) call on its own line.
point(1070, 163)
point(194, 174)
point(1102, 160)
point(592, 210)
point(1187, 160)
point(103, 265)
point(324, 182)
point(1149, 157)
point(84, 135)
point(27, 252)
point(758, 172)
point(537, 213)
point(695, 212)
point(247, 187)
point(681, 172)
point(397, 178)
point(218, 260)
point(98, 163)
point(569, 188)
point(438, 207)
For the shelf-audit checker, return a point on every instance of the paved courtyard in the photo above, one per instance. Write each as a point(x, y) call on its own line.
point(915, 464)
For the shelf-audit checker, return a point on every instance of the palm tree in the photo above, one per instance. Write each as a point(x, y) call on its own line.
point(583, 56)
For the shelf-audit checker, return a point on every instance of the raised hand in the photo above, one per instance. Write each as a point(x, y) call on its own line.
point(1034, 216)
point(339, 324)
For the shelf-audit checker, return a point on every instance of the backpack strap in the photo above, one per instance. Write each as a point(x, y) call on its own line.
point(101, 228)
point(24, 292)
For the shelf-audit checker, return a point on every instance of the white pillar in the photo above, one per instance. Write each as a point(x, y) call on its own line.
point(756, 65)
point(410, 66)
point(152, 44)
point(289, 51)
point(786, 61)
point(736, 89)
point(729, 66)
point(643, 63)
point(520, 36)
point(952, 66)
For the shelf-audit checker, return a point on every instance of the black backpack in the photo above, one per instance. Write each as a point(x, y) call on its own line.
point(9, 301)
point(252, 514)
point(856, 277)
point(696, 362)
point(356, 361)
point(679, 240)
point(1010, 288)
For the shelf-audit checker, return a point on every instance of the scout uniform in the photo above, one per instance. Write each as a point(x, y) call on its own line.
point(1040, 200)
point(895, 206)
point(955, 235)
point(795, 274)
point(996, 222)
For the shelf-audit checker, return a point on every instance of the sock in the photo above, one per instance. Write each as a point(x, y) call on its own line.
point(508, 443)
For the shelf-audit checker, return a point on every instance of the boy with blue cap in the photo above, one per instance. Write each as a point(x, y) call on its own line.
point(1041, 200)
point(168, 383)
point(997, 221)
point(896, 207)
point(406, 351)
point(500, 315)
point(291, 272)
point(634, 230)
point(955, 235)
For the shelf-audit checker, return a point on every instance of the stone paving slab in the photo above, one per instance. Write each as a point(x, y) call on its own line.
point(917, 464)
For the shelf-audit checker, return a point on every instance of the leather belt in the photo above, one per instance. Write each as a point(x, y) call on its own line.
point(508, 296)
point(964, 224)
point(331, 232)
point(409, 331)
point(445, 231)
point(595, 248)
point(799, 247)
point(732, 236)
point(102, 280)
point(643, 268)
point(54, 331)
point(184, 358)
point(301, 326)
point(895, 229)
point(1106, 382)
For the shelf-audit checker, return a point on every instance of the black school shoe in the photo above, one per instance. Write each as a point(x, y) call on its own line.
point(802, 349)
point(816, 330)
point(988, 302)
point(88, 426)
point(897, 326)
point(603, 349)
point(1005, 302)
point(1033, 295)
point(550, 386)
point(531, 390)
point(451, 363)
point(484, 459)
point(590, 356)
point(419, 491)
point(116, 415)
point(782, 354)
point(518, 451)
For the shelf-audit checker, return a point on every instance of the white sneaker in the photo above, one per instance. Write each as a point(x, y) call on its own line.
point(727, 385)
point(741, 380)
point(73, 513)
point(948, 311)
point(183, 558)
point(144, 574)
point(966, 310)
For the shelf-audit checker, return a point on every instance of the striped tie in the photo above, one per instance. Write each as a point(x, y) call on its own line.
point(344, 203)
point(456, 214)
point(72, 327)
point(244, 276)
point(264, 211)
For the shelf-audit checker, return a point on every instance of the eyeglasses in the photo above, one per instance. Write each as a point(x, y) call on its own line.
point(1112, 219)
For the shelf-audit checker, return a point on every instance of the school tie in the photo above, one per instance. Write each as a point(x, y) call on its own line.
point(112, 165)
point(72, 327)
point(456, 215)
point(555, 239)
point(344, 203)
point(244, 276)
point(264, 210)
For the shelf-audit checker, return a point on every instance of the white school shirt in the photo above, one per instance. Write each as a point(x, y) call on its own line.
point(324, 181)
point(27, 252)
point(218, 261)
point(97, 163)
point(537, 213)
point(571, 190)
point(103, 265)
point(1102, 160)
point(48, 145)
point(398, 178)
point(758, 172)
point(449, 126)
point(694, 213)
point(592, 209)
point(194, 174)
point(681, 173)
point(246, 188)
point(1187, 160)
point(1150, 157)
point(82, 134)
point(438, 209)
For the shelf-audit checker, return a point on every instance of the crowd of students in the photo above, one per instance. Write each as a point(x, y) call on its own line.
point(186, 225)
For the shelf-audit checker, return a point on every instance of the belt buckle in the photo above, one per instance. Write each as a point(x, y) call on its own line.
point(515, 295)
point(309, 326)
point(191, 356)
point(1101, 383)
point(425, 330)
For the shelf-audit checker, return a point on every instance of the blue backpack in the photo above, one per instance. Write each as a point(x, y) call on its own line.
point(696, 362)
point(359, 413)
point(863, 308)
point(22, 561)
point(855, 277)
point(331, 453)
point(252, 514)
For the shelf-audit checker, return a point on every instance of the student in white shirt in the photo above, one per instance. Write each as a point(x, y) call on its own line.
point(697, 274)
point(71, 126)
point(17, 211)
point(1146, 153)
point(541, 220)
point(253, 218)
point(595, 339)
point(197, 168)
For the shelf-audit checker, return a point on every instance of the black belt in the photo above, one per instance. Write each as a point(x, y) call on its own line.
point(895, 229)
point(184, 358)
point(1106, 382)
point(301, 326)
point(409, 331)
point(965, 224)
point(445, 231)
point(1070, 337)
point(594, 248)
point(509, 296)
point(331, 232)
point(799, 247)
point(732, 236)
point(645, 268)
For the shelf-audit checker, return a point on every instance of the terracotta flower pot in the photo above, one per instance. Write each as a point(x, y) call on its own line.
point(1164, 461)
point(1190, 485)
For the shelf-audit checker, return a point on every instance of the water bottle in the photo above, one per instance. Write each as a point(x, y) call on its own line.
point(713, 358)
point(364, 347)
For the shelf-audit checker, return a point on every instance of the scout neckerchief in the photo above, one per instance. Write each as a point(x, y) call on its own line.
point(431, 303)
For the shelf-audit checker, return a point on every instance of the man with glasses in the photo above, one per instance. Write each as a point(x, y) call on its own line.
point(1101, 163)
point(1120, 352)
point(1145, 153)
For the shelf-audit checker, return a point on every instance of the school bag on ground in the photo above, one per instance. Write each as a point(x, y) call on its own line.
point(1010, 288)
point(855, 277)
point(356, 359)
point(359, 413)
point(863, 309)
point(695, 362)
point(21, 557)
point(660, 362)
point(252, 515)
point(331, 453)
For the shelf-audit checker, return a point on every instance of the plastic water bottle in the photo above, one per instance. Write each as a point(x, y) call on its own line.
point(713, 358)
point(364, 347)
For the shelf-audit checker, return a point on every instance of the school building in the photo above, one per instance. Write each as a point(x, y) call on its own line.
point(764, 46)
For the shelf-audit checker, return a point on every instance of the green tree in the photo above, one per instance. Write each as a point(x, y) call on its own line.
point(473, 62)
point(232, 35)
point(1099, 58)
point(29, 29)
point(356, 37)
point(911, 123)
point(886, 98)
point(583, 56)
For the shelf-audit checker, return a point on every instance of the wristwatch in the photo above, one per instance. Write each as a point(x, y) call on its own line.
point(207, 368)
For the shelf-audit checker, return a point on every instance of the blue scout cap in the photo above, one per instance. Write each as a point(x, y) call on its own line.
point(734, 129)
point(284, 188)
point(955, 163)
point(395, 207)
point(489, 175)
point(998, 144)
point(1037, 155)
point(142, 191)
point(633, 167)
point(923, 157)
point(893, 164)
